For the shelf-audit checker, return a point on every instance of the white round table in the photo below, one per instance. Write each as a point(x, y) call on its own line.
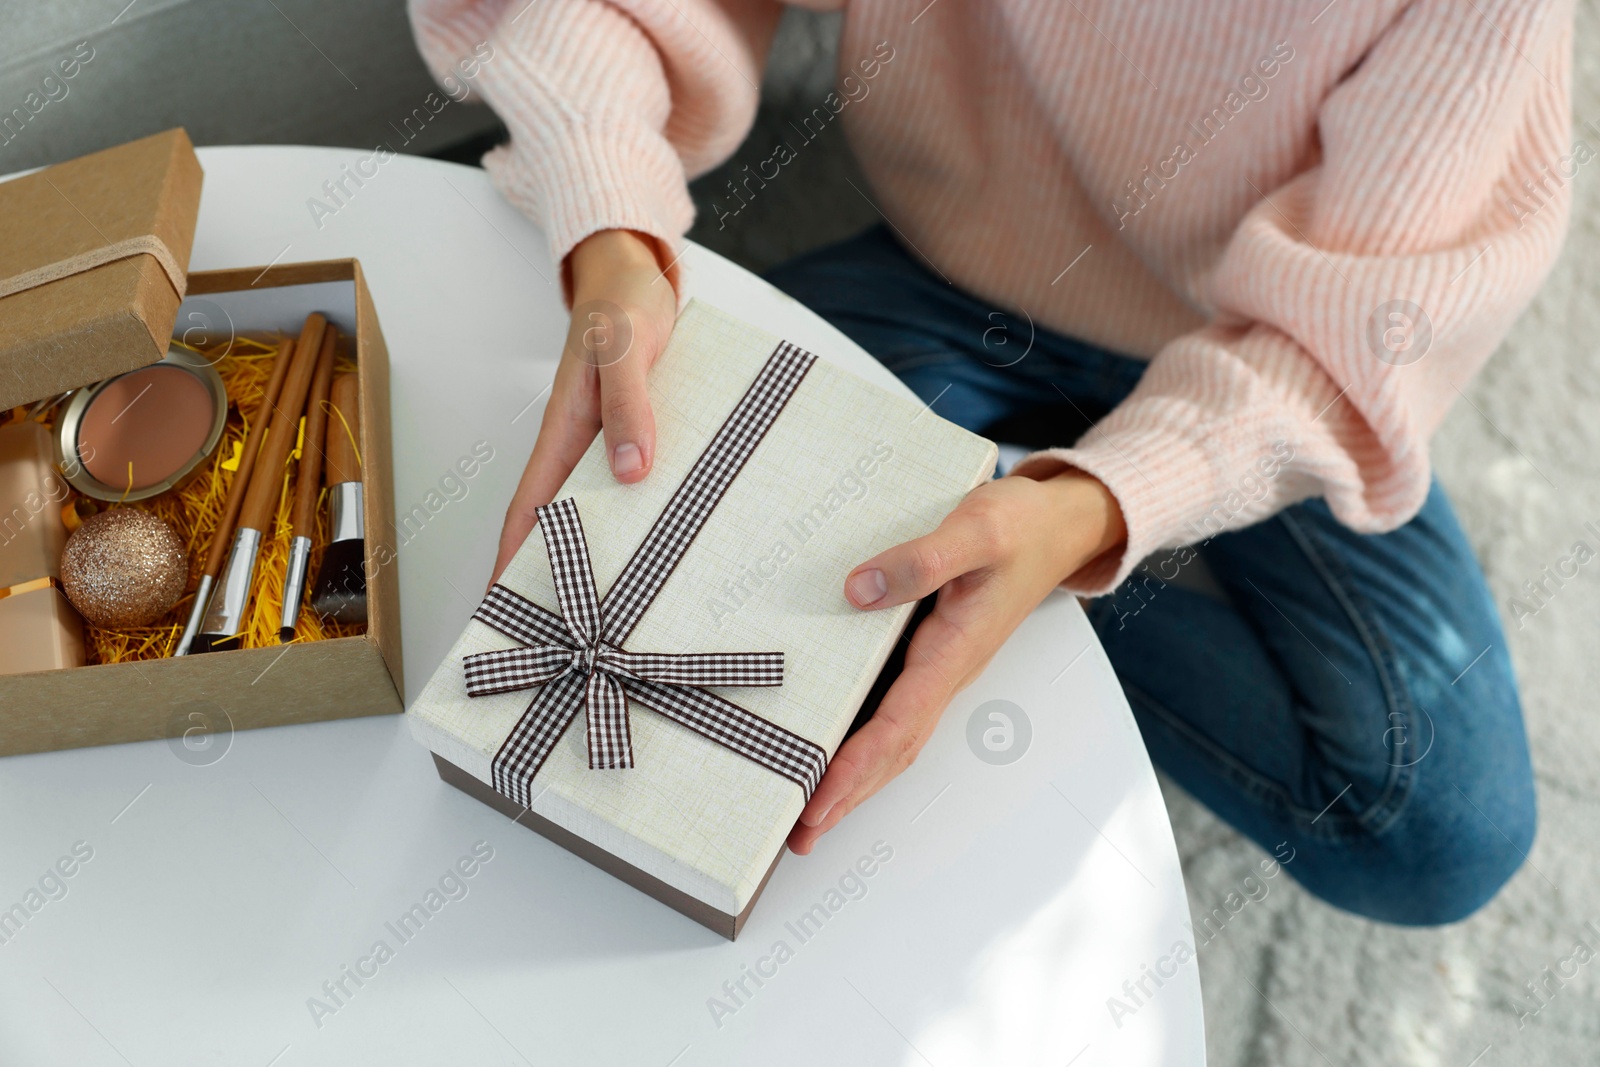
point(222, 903)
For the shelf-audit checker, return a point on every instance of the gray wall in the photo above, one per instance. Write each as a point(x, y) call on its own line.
point(231, 71)
point(348, 73)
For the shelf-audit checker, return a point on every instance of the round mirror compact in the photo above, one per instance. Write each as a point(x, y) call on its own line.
point(141, 433)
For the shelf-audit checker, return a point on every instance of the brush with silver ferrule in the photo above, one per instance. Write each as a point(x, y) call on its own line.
point(230, 600)
point(308, 483)
point(341, 592)
point(222, 537)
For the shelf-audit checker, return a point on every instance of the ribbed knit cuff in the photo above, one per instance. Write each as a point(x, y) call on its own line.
point(579, 182)
point(1161, 481)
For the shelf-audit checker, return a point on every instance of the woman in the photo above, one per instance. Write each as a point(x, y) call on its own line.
point(1260, 248)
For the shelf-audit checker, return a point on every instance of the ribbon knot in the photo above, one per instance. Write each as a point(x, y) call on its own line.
point(584, 659)
point(577, 658)
point(579, 648)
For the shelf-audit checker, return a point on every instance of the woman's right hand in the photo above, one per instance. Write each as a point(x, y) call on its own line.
point(623, 308)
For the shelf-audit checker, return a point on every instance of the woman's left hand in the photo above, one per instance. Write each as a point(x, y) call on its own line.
point(992, 560)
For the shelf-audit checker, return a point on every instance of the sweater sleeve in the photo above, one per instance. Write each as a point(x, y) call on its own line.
point(612, 105)
point(1356, 300)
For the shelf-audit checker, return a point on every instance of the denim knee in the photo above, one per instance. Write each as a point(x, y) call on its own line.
point(1449, 851)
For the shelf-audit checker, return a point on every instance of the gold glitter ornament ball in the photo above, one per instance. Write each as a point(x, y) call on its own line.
point(124, 568)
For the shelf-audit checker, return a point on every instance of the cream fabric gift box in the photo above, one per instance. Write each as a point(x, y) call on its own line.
point(844, 471)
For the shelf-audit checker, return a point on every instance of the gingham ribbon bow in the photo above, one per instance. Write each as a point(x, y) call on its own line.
point(577, 657)
point(604, 668)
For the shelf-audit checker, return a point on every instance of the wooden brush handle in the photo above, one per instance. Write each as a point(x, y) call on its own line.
point(343, 465)
point(222, 537)
point(308, 476)
point(265, 485)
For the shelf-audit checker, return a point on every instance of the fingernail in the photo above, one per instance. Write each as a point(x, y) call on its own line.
point(867, 588)
point(626, 458)
point(816, 820)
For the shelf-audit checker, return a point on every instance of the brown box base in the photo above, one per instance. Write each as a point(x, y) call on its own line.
point(676, 899)
point(723, 923)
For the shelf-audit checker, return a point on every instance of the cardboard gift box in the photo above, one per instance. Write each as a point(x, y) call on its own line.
point(647, 721)
point(113, 231)
point(93, 254)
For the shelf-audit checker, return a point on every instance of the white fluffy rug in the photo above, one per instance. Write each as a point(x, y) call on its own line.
point(1290, 982)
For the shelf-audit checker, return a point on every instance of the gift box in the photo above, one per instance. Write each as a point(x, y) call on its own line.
point(93, 258)
point(667, 707)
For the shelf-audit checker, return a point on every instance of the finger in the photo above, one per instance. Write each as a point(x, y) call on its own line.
point(569, 424)
point(851, 772)
point(864, 764)
point(965, 541)
point(936, 667)
point(630, 427)
point(512, 534)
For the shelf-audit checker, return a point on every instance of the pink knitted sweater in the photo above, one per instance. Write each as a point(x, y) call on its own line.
point(1316, 221)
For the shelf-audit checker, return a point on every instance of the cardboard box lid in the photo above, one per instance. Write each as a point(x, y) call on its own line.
point(106, 319)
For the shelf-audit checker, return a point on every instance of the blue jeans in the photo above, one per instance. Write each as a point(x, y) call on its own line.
point(1347, 694)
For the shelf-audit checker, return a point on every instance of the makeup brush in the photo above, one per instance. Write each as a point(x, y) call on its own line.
point(222, 536)
point(342, 586)
point(307, 486)
point(225, 617)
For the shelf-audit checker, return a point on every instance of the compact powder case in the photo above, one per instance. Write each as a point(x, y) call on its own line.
point(141, 433)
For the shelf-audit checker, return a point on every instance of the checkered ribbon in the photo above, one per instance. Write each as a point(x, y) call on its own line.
point(577, 658)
